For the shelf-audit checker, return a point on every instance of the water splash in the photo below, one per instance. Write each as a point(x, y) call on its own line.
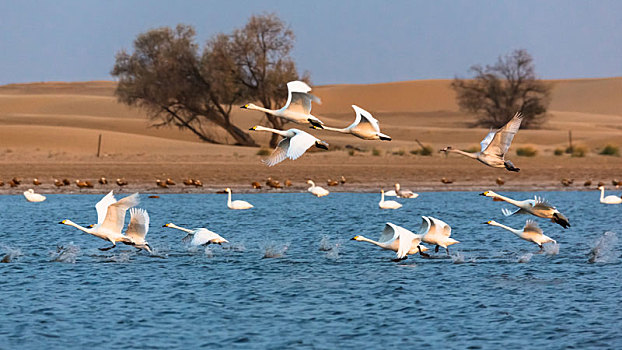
point(551, 248)
point(331, 248)
point(122, 257)
point(525, 258)
point(459, 258)
point(9, 254)
point(604, 250)
point(66, 254)
point(208, 252)
point(274, 250)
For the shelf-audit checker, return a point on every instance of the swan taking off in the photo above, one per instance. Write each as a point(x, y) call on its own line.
point(294, 144)
point(388, 204)
point(538, 207)
point(137, 229)
point(110, 219)
point(236, 204)
point(603, 199)
point(298, 106)
point(365, 126)
point(399, 240)
point(436, 232)
point(317, 190)
point(400, 193)
point(531, 232)
point(495, 145)
point(31, 196)
point(199, 236)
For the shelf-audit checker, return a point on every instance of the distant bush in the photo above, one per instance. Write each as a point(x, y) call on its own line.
point(424, 151)
point(351, 152)
point(578, 152)
point(375, 152)
point(526, 151)
point(263, 152)
point(558, 152)
point(400, 152)
point(569, 149)
point(610, 150)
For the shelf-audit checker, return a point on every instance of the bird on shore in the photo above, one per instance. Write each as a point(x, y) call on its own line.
point(330, 182)
point(256, 185)
point(31, 196)
point(16, 181)
point(197, 183)
point(199, 236)
point(287, 183)
point(138, 228)
point(170, 181)
point(58, 183)
point(12, 183)
point(1, 183)
point(600, 184)
point(437, 232)
point(587, 183)
point(447, 181)
point(84, 184)
point(531, 232)
point(616, 183)
point(102, 181)
point(567, 182)
point(161, 183)
point(297, 109)
point(293, 145)
point(609, 199)
point(398, 192)
point(365, 126)
point(238, 205)
point(495, 145)
point(188, 182)
point(121, 182)
point(110, 219)
point(36, 182)
point(66, 182)
point(273, 183)
point(500, 181)
point(398, 239)
point(538, 207)
point(342, 180)
point(388, 204)
point(317, 190)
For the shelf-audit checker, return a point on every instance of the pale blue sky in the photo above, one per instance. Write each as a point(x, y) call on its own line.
point(337, 41)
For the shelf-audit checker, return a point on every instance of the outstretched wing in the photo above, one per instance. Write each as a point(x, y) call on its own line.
point(102, 207)
point(441, 227)
point(279, 154)
point(389, 233)
point(502, 139)
point(115, 215)
point(425, 225)
point(532, 226)
point(486, 141)
point(508, 212)
point(407, 240)
point(300, 143)
point(299, 99)
point(139, 224)
point(364, 121)
point(541, 203)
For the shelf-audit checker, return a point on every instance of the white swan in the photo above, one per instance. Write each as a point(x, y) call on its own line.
point(31, 196)
point(199, 236)
point(110, 219)
point(436, 232)
point(298, 106)
point(399, 193)
point(605, 200)
point(236, 204)
point(495, 145)
point(531, 232)
point(293, 145)
point(138, 228)
point(365, 126)
point(388, 204)
point(538, 207)
point(399, 240)
point(317, 190)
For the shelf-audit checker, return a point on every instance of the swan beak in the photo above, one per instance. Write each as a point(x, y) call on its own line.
point(165, 225)
point(90, 226)
point(321, 144)
point(483, 194)
point(314, 127)
point(244, 107)
point(354, 238)
point(486, 223)
point(254, 127)
point(62, 222)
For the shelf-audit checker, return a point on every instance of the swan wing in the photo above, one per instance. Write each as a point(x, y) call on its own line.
point(502, 139)
point(115, 215)
point(139, 224)
point(532, 226)
point(299, 144)
point(407, 239)
point(389, 233)
point(541, 203)
point(508, 212)
point(364, 121)
point(298, 97)
point(441, 227)
point(425, 225)
point(187, 238)
point(279, 154)
point(486, 141)
point(102, 207)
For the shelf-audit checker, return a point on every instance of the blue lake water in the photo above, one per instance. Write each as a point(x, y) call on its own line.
point(346, 295)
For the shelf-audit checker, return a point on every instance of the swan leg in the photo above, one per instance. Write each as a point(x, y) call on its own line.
point(400, 259)
point(447, 249)
point(509, 166)
point(436, 249)
point(422, 253)
point(384, 138)
point(107, 248)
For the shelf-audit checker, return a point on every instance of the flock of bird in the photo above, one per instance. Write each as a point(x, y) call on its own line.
point(111, 212)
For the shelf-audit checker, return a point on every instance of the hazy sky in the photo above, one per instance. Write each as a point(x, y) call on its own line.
point(337, 41)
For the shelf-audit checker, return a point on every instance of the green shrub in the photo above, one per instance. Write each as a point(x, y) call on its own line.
point(569, 149)
point(263, 152)
point(351, 152)
point(526, 151)
point(375, 152)
point(610, 150)
point(558, 152)
point(578, 152)
point(400, 152)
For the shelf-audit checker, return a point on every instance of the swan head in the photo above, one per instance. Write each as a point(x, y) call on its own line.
point(600, 188)
point(491, 222)
point(228, 190)
point(66, 222)
point(249, 106)
point(446, 149)
point(488, 194)
point(356, 238)
point(167, 225)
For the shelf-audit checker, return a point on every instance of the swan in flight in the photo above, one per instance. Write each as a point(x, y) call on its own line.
point(399, 240)
point(365, 126)
point(199, 236)
point(317, 190)
point(294, 144)
point(236, 204)
point(531, 232)
point(437, 232)
point(31, 196)
point(137, 229)
point(538, 207)
point(605, 200)
point(388, 204)
point(495, 145)
point(399, 193)
point(298, 106)
point(110, 219)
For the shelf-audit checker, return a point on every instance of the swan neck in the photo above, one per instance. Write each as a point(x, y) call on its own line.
point(365, 239)
point(229, 198)
point(466, 154)
point(263, 128)
point(344, 130)
point(180, 228)
point(602, 193)
point(265, 110)
point(312, 184)
point(382, 196)
point(510, 200)
point(514, 231)
point(81, 228)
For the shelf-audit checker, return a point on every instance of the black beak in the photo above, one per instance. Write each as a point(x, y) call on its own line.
point(251, 129)
point(482, 194)
point(60, 222)
point(244, 107)
point(164, 225)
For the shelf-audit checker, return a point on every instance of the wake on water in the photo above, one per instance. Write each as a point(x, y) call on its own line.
point(604, 249)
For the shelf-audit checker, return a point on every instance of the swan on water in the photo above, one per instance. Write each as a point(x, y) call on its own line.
point(398, 239)
point(388, 204)
point(317, 190)
point(199, 236)
point(401, 193)
point(297, 109)
point(605, 200)
point(31, 196)
point(365, 126)
point(538, 207)
point(495, 145)
point(437, 232)
point(531, 232)
point(236, 204)
point(293, 145)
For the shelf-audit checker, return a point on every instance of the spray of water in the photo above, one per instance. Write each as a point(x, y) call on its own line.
point(604, 249)
point(66, 254)
point(9, 254)
point(551, 248)
point(525, 258)
point(331, 248)
point(208, 252)
point(274, 250)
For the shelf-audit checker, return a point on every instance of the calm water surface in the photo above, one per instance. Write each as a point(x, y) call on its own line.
point(292, 278)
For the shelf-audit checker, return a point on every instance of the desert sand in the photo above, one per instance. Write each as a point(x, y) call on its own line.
point(50, 130)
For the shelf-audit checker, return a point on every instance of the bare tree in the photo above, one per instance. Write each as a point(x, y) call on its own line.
point(166, 76)
point(496, 92)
